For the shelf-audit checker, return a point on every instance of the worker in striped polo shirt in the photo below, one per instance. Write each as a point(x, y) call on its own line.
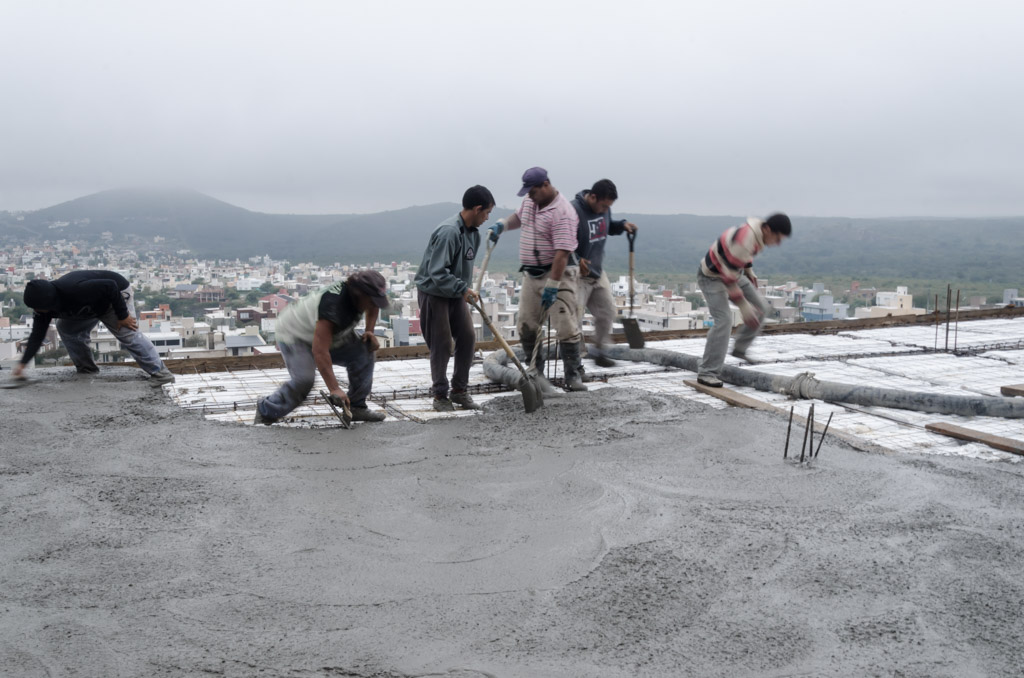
point(726, 274)
point(547, 253)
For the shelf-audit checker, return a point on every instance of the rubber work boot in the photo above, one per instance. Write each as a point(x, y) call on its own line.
point(604, 361)
point(443, 405)
point(162, 377)
point(571, 358)
point(528, 345)
point(464, 400)
point(584, 377)
point(364, 413)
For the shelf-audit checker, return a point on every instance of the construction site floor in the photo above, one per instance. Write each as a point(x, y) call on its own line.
point(619, 533)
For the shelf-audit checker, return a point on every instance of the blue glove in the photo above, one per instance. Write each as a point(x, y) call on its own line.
point(496, 229)
point(547, 299)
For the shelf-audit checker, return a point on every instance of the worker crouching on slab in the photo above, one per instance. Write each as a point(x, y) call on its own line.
point(444, 284)
point(319, 331)
point(547, 254)
point(79, 300)
point(726, 274)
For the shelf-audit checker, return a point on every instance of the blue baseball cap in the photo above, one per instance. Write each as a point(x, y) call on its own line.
point(535, 176)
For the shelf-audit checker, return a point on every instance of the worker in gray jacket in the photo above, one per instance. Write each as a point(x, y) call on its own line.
point(445, 290)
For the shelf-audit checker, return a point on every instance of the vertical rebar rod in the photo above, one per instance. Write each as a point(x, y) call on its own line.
point(956, 326)
point(785, 452)
point(810, 441)
point(936, 346)
point(823, 434)
point(949, 300)
point(803, 446)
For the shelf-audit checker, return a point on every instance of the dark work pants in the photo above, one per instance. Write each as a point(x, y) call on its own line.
point(443, 319)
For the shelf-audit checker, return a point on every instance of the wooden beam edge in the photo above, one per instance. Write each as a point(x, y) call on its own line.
point(962, 433)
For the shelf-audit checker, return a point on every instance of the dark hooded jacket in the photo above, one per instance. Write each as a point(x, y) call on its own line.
point(592, 232)
point(79, 294)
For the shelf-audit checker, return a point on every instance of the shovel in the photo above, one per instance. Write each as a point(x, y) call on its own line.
point(483, 269)
point(344, 414)
point(532, 398)
point(633, 334)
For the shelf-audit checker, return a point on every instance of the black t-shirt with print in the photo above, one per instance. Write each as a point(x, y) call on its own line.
point(339, 308)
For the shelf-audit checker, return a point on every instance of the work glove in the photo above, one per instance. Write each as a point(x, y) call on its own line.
point(751, 316)
point(496, 229)
point(339, 399)
point(550, 293)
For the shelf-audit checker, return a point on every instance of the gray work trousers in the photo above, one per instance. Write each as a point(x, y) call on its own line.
point(443, 319)
point(595, 295)
point(717, 297)
point(355, 355)
point(562, 313)
point(75, 333)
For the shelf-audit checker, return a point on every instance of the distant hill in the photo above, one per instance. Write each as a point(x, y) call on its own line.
point(188, 219)
point(961, 249)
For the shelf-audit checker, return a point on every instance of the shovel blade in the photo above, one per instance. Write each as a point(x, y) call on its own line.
point(532, 398)
point(633, 334)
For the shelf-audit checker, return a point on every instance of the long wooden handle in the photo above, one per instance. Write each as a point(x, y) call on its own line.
point(501, 339)
point(630, 282)
point(483, 269)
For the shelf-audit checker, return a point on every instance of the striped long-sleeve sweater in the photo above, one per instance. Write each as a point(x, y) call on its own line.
point(732, 253)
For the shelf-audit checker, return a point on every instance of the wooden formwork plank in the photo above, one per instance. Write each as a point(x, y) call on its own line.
point(730, 396)
point(1013, 390)
point(961, 433)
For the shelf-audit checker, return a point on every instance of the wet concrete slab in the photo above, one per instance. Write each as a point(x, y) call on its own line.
point(620, 532)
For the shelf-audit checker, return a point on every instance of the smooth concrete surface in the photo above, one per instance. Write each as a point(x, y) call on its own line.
point(613, 533)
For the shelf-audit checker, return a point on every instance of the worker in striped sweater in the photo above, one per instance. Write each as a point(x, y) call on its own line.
point(726, 275)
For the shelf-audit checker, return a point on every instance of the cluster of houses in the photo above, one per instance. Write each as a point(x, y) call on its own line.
point(236, 322)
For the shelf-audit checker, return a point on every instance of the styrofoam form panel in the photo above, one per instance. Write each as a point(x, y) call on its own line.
point(806, 346)
point(626, 369)
point(922, 336)
point(422, 409)
point(911, 435)
point(1012, 357)
point(970, 374)
point(226, 389)
point(927, 365)
point(693, 346)
point(398, 375)
point(906, 435)
point(963, 335)
point(790, 347)
point(985, 381)
point(854, 374)
point(996, 329)
point(670, 383)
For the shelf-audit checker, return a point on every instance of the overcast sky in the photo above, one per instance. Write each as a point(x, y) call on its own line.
point(818, 107)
